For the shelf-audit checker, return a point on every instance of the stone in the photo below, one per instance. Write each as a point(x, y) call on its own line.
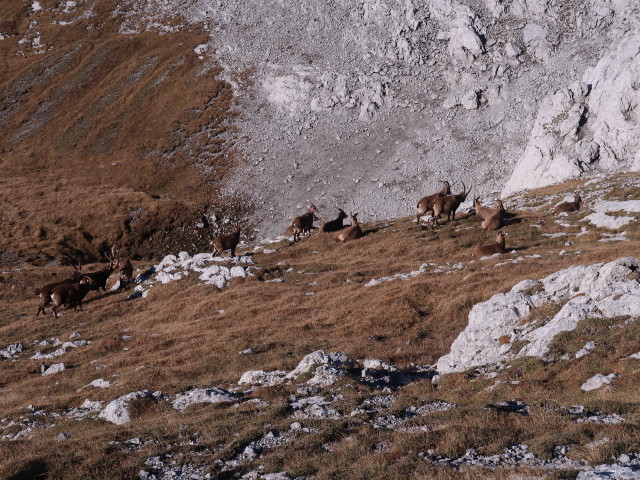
point(319, 357)
point(512, 50)
point(260, 377)
point(201, 395)
point(117, 411)
point(55, 368)
point(589, 291)
point(598, 381)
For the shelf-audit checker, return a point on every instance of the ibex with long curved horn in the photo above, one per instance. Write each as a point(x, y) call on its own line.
point(99, 279)
point(449, 204)
point(425, 204)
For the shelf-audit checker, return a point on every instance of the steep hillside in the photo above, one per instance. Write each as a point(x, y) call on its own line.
point(209, 367)
point(107, 138)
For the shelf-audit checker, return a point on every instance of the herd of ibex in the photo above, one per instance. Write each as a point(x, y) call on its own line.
point(71, 291)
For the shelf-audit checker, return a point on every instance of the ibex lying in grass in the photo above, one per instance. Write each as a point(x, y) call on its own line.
point(495, 221)
point(69, 295)
point(334, 225)
point(227, 242)
point(45, 292)
point(353, 232)
point(99, 279)
point(448, 204)
point(425, 204)
point(482, 212)
point(487, 250)
point(569, 206)
point(304, 223)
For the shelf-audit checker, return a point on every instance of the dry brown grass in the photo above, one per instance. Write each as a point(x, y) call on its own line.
point(179, 334)
point(98, 148)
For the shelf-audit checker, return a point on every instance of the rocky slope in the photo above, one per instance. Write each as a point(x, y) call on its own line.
point(361, 105)
point(367, 104)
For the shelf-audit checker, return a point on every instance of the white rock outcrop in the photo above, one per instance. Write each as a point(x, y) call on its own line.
point(202, 395)
point(598, 381)
point(587, 291)
point(117, 411)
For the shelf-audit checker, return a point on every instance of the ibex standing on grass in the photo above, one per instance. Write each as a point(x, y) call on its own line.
point(334, 225)
point(353, 232)
point(569, 206)
point(227, 242)
point(425, 204)
point(304, 223)
point(126, 271)
point(45, 292)
point(99, 279)
point(69, 295)
point(487, 250)
point(448, 204)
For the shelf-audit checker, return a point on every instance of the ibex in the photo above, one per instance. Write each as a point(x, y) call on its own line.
point(126, 271)
point(569, 206)
point(487, 250)
point(304, 223)
point(449, 204)
point(425, 204)
point(69, 295)
point(227, 242)
point(482, 212)
point(334, 225)
point(99, 279)
point(495, 221)
point(45, 292)
point(353, 232)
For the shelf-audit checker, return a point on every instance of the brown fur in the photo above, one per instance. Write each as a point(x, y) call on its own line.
point(448, 204)
point(482, 212)
point(69, 295)
point(487, 250)
point(353, 232)
point(334, 225)
point(496, 219)
point(45, 292)
point(425, 204)
point(304, 223)
point(569, 206)
point(126, 271)
point(227, 242)
point(99, 279)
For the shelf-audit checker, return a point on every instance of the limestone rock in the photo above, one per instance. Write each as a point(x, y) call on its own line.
point(202, 395)
point(117, 411)
point(598, 381)
point(589, 291)
point(260, 377)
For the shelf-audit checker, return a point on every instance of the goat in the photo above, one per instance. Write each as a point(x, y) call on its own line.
point(304, 223)
point(487, 250)
point(482, 212)
point(289, 231)
point(99, 279)
point(70, 295)
point(334, 225)
point(353, 232)
point(45, 292)
point(126, 271)
point(227, 242)
point(496, 219)
point(569, 206)
point(425, 204)
point(448, 204)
